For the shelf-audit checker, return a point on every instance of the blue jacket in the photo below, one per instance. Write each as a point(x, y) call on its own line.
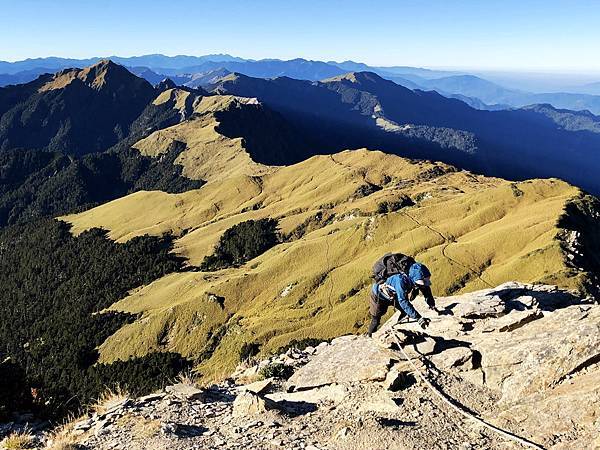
point(402, 285)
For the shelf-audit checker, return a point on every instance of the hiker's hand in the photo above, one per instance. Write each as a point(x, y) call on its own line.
point(423, 322)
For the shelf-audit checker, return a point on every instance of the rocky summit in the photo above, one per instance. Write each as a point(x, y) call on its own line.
point(522, 358)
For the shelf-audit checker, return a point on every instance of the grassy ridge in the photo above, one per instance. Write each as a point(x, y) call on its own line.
point(472, 231)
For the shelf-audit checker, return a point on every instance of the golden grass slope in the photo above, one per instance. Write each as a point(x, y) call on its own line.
point(209, 155)
point(472, 231)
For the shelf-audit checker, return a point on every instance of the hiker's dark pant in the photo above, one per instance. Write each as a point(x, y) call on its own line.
point(375, 320)
point(378, 306)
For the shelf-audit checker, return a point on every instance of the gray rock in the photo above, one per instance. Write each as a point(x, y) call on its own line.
point(517, 319)
point(347, 359)
point(396, 377)
point(150, 398)
point(99, 428)
point(331, 393)
point(258, 387)
point(168, 428)
point(84, 425)
point(460, 358)
point(185, 391)
point(248, 404)
point(481, 307)
point(425, 347)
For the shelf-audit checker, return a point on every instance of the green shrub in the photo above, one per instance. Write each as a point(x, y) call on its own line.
point(241, 243)
point(276, 370)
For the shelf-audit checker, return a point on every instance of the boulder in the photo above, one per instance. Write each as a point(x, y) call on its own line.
point(334, 393)
point(248, 404)
point(425, 347)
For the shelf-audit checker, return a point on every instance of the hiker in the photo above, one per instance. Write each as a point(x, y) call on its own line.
point(399, 279)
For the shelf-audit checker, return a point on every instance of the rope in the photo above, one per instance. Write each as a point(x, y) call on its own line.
point(460, 410)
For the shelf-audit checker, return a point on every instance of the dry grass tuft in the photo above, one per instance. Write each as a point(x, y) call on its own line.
point(66, 441)
point(144, 429)
point(187, 377)
point(110, 398)
point(63, 437)
point(17, 441)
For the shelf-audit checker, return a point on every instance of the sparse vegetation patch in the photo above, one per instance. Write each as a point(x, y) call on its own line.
point(241, 243)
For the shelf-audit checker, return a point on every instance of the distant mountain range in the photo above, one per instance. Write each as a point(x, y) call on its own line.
point(82, 111)
point(478, 92)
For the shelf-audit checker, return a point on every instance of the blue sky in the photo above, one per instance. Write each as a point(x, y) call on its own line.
point(525, 34)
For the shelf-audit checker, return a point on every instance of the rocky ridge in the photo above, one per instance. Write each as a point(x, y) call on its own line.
point(522, 357)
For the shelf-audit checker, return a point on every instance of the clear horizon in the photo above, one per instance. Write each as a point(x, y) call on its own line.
point(532, 36)
point(507, 70)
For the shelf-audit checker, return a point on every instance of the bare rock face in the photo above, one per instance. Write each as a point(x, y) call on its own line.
point(347, 359)
point(185, 391)
point(517, 319)
point(524, 358)
point(481, 307)
point(542, 354)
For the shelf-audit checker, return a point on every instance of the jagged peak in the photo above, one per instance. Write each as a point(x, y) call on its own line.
point(95, 76)
point(166, 84)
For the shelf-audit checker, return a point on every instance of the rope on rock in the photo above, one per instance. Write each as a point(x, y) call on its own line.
point(444, 398)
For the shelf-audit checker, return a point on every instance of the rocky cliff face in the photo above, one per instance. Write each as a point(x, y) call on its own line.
point(524, 358)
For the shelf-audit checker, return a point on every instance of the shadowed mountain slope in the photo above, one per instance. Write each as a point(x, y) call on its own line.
point(224, 135)
point(75, 111)
point(185, 135)
point(363, 109)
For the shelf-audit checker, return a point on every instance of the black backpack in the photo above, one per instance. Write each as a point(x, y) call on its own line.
point(391, 264)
